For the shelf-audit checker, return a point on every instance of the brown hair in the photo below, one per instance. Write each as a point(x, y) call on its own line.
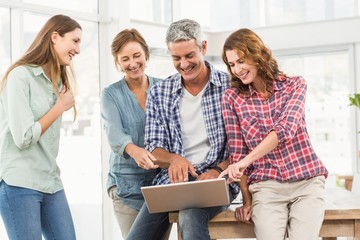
point(248, 44)
point(125, 36)
point(42, 51)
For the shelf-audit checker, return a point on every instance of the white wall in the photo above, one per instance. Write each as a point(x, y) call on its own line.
point(295, 36)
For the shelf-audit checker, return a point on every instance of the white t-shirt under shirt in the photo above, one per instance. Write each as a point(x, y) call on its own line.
point(195, 140)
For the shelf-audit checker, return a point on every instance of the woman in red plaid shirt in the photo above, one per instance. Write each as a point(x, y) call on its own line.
point(269, 146)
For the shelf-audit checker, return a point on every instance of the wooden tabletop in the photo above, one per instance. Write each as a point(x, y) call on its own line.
point(340, 204)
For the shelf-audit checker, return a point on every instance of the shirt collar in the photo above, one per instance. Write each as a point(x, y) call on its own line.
point(36, 70)
point(124, 84)
point(214, 78)
point(278, 84)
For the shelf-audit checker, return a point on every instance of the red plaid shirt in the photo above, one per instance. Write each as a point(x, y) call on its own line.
point(249, 119)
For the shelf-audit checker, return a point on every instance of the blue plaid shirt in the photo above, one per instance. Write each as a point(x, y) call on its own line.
point(163, 128)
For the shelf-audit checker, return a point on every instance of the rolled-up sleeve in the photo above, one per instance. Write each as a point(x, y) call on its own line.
point(113, 125)
point(155, 133)
point(294, 110)
point(25, 130)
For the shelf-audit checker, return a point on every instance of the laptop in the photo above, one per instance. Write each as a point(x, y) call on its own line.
point(179, 196)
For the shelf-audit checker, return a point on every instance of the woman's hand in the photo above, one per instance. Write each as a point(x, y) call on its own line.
point(142, 157)
point(235, 171)
point(244, 213)
point(64, 102)
point(66, 98)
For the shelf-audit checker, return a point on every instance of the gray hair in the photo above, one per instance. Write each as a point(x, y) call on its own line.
point(184, 30)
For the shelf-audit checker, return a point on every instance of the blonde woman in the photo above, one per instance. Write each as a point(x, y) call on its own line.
point(123, 114)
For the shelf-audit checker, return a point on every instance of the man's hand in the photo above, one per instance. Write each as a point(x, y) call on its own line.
point(211, 174)
point(179, 169)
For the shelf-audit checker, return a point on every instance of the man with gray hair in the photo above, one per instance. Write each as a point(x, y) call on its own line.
point(185, 131)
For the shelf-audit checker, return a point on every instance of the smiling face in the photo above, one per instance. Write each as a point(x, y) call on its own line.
point(188, 59)
point(132, 60)
point(245, 70)
point(67, 46)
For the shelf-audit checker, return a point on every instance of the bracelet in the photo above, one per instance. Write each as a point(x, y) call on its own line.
point(218, 169)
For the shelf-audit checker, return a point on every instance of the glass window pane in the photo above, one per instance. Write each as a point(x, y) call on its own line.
point(249, 14)
point(344, 8)
point(88, 6)
point(199, 11)
point(79, 156)
point(327, 110)
point(4, 63)
point(141, 10)
point(257, 13)
point(274, 13)
point(4, 40)
point(151, 10)
point(160, 64)
point(315, 10)
point(32, 24)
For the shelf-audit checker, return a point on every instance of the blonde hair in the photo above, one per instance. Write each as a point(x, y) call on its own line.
point(124, 37)
point(41, 51)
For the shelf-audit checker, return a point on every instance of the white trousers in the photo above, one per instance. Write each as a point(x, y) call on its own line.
point(292, 209)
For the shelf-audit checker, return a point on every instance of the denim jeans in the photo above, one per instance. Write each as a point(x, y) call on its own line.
point(27, 214)
point(193, 223)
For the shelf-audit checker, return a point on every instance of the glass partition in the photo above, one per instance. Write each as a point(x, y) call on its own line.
point(5, 39)
point(159, 11)
point(4, 63)
point(87, 6)
point(280, 12)
point(327, 107)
